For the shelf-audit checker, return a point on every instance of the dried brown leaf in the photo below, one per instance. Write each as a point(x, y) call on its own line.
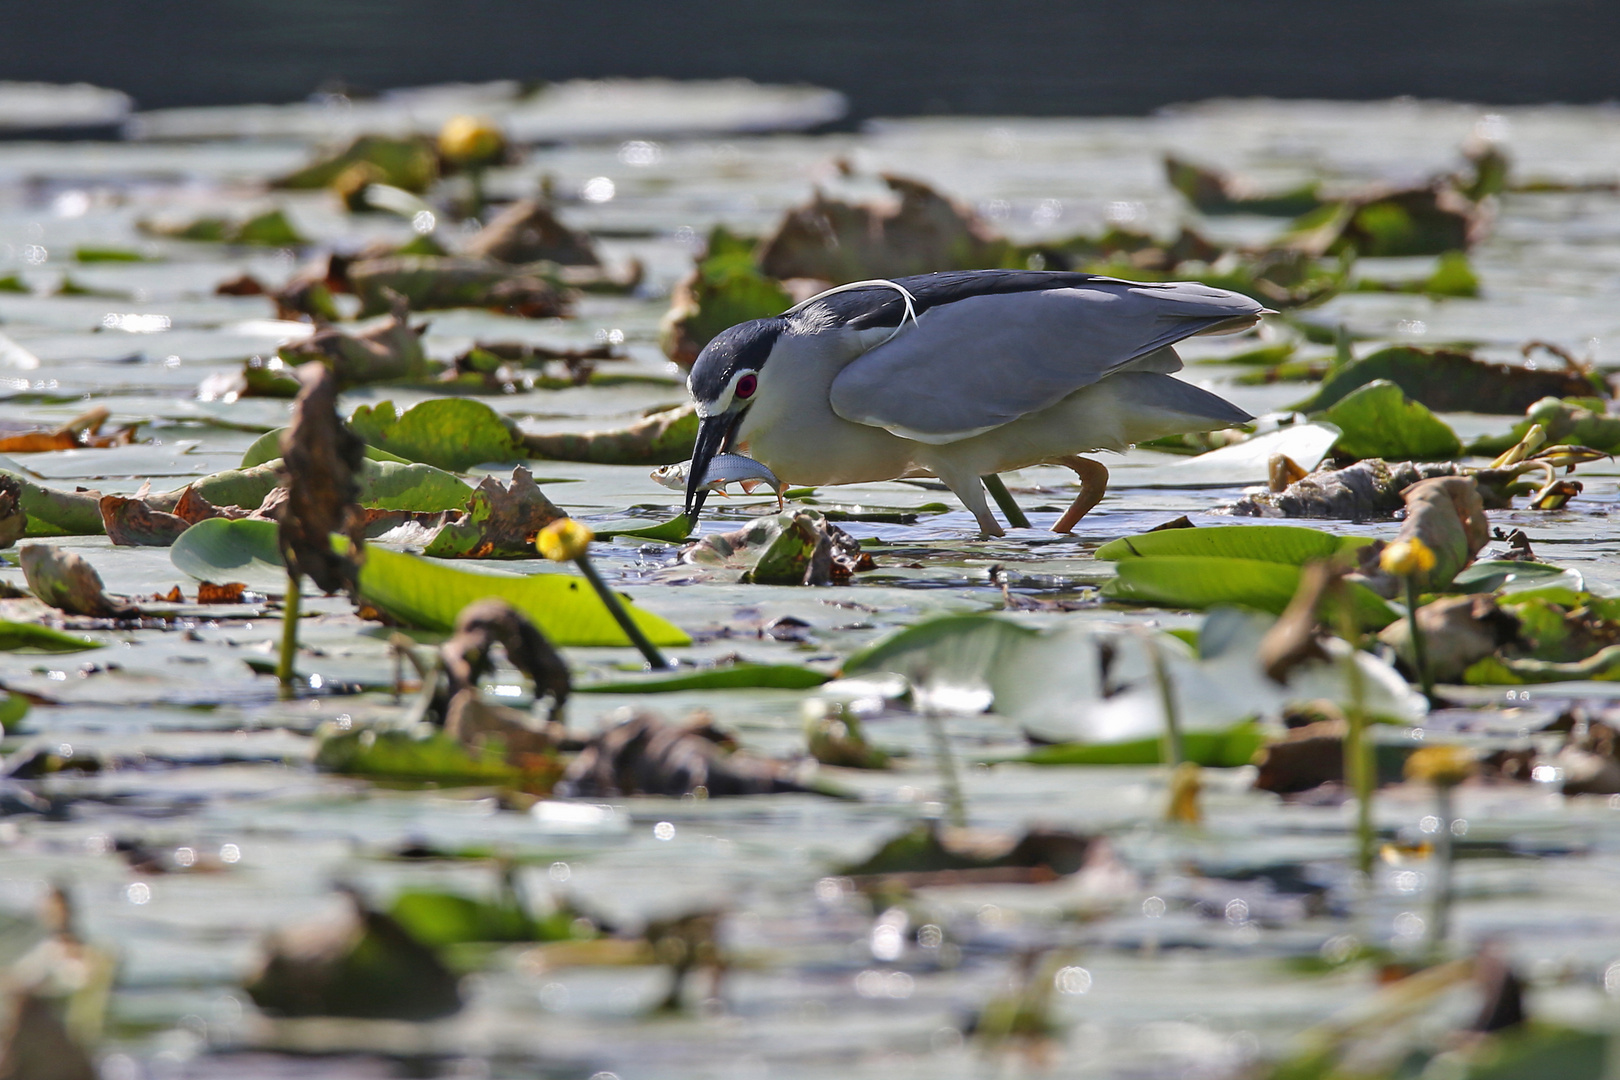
point(320, 457)
point(229, 593)
point(64, 580)
point(484, 624)
point(132, 523)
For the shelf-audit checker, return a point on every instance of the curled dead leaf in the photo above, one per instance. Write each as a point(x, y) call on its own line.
point(66, 581)
point(320, 457)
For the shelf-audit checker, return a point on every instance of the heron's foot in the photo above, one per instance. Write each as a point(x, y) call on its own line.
point(1093, 485)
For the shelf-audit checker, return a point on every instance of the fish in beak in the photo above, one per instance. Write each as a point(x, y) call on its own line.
point(715, 436)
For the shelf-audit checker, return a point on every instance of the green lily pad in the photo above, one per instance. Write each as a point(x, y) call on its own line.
point(732, 677)
point(407, 757)
point(673, 531)
point(1227, 749)
point(1512, 576)
point(1379, 421)
point(27, 637)
point(429, 595)
point(1449, 381)
point(224, 551)
point(450, 433)
point(1291, 544)
point(267, 447)
point(1201, 582)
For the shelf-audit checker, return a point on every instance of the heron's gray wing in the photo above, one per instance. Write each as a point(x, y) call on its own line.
point(983, 361)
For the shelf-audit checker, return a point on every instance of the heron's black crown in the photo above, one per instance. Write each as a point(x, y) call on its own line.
point(743, 347)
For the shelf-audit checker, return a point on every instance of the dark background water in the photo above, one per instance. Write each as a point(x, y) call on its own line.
point(891, 57)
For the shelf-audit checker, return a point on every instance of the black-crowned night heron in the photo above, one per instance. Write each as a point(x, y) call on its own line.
point(960, 375)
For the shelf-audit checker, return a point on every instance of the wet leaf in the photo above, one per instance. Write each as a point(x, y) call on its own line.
point(410, 163)
point(428, 595)
point(222, 550)
point(835, 241)
point(1214, 192)
point(1417, 221)
point(1367, 490)
point(364, 965)
point(1448, 381)
point(1229, 749)
point(737, 676)
point(1493, 575)
point(1290, 544)
point(645, 756)
point(449, 433)
point(468, 656)
point(132, 523)
point(389, 352)
point(527, 231)
point(1458, 631)
point(673, 531)
point(1378, 421)
point(33, 638)
point(499, 522)
point(433, 282)
point(1202, 582)
point(268, 228)
point(925, 848)
point(798, 547)
point(1447, 515)
point(267, 448)
point(66, 581)
point(663, 437)
point(429, 757)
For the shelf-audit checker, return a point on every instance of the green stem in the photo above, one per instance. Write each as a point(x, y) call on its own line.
point(1170, 747)
point(1358, 762)
point(998, 491)
point(621, 616)
point(1420, 648)
point(1441, 916)
point(289, 637)
point(955, 805)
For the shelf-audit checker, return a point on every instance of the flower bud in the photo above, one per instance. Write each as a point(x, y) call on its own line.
point(1405, 558)
point(564, 540)
point(471, 141)
point(1442, 766)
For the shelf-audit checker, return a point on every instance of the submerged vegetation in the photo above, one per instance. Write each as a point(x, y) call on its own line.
point(365, 696)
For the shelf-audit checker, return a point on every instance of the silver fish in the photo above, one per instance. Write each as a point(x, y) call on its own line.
point(723, 469)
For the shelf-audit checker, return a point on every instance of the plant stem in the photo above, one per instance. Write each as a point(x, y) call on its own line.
point(289, 637)
point(998, 491)
point(1358, 762)
point(1420, 648)
point(1441, 917)
point(1170, 740)
point(955, 805)
point(621, 616)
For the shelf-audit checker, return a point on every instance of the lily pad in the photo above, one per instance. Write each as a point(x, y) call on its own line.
point(1202, 582)
point(449, 433)
point(267, 447)
point(731, 677)
point(220, 550)
point(673, 531)
point(25, 637)
point(1291, 544)
point(1379, 421)
point(1449, 381)
point(1229, 749)
point(429, 595)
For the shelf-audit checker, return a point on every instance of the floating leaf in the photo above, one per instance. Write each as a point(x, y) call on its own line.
point(267, 448)
point(673, 531)
point(66, 581)
point(1291, 544)
point(660, 438)
point(431, 757)
point(410, 163)
point(1202, 582)
point(1448, 381)
point(389, 352)
point(1379, 421)
point(426, 594)
point(26, 637)
point(449, 433)
point(221, 550)
point(432, 282)
point(499, 522)
point(1506, 575)
point(1229, 749)
point(729, 677)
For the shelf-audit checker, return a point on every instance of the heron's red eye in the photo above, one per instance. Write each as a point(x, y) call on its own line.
point(746, 386)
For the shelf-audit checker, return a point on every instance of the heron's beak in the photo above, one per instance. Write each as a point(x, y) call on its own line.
point(715, 434)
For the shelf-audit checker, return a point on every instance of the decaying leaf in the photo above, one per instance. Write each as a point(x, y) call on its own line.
point(13, 518)
point(429, 282)
point(1304, 758)
point(468, 654)
point(320, 457)
point(833, 735)
point(131, 522)
point(526, 232)
point(229, 593)
point(81, 432)
point(1457, 630)
point(362, 965)
point(66, 581)
point(922, 231)
point(267, 228)
point(929, 854)
point(798, 547)
point(1216, 192)
point(643, 755)
point(410, 163)
point(1365, 491)
point(498, 522)
point(1416, 221)
point(660, 438)
point(389, 351)
point(1450, 381)
point(1296, 635)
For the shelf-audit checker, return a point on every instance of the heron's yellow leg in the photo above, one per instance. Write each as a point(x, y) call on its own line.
point(1093, 483)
